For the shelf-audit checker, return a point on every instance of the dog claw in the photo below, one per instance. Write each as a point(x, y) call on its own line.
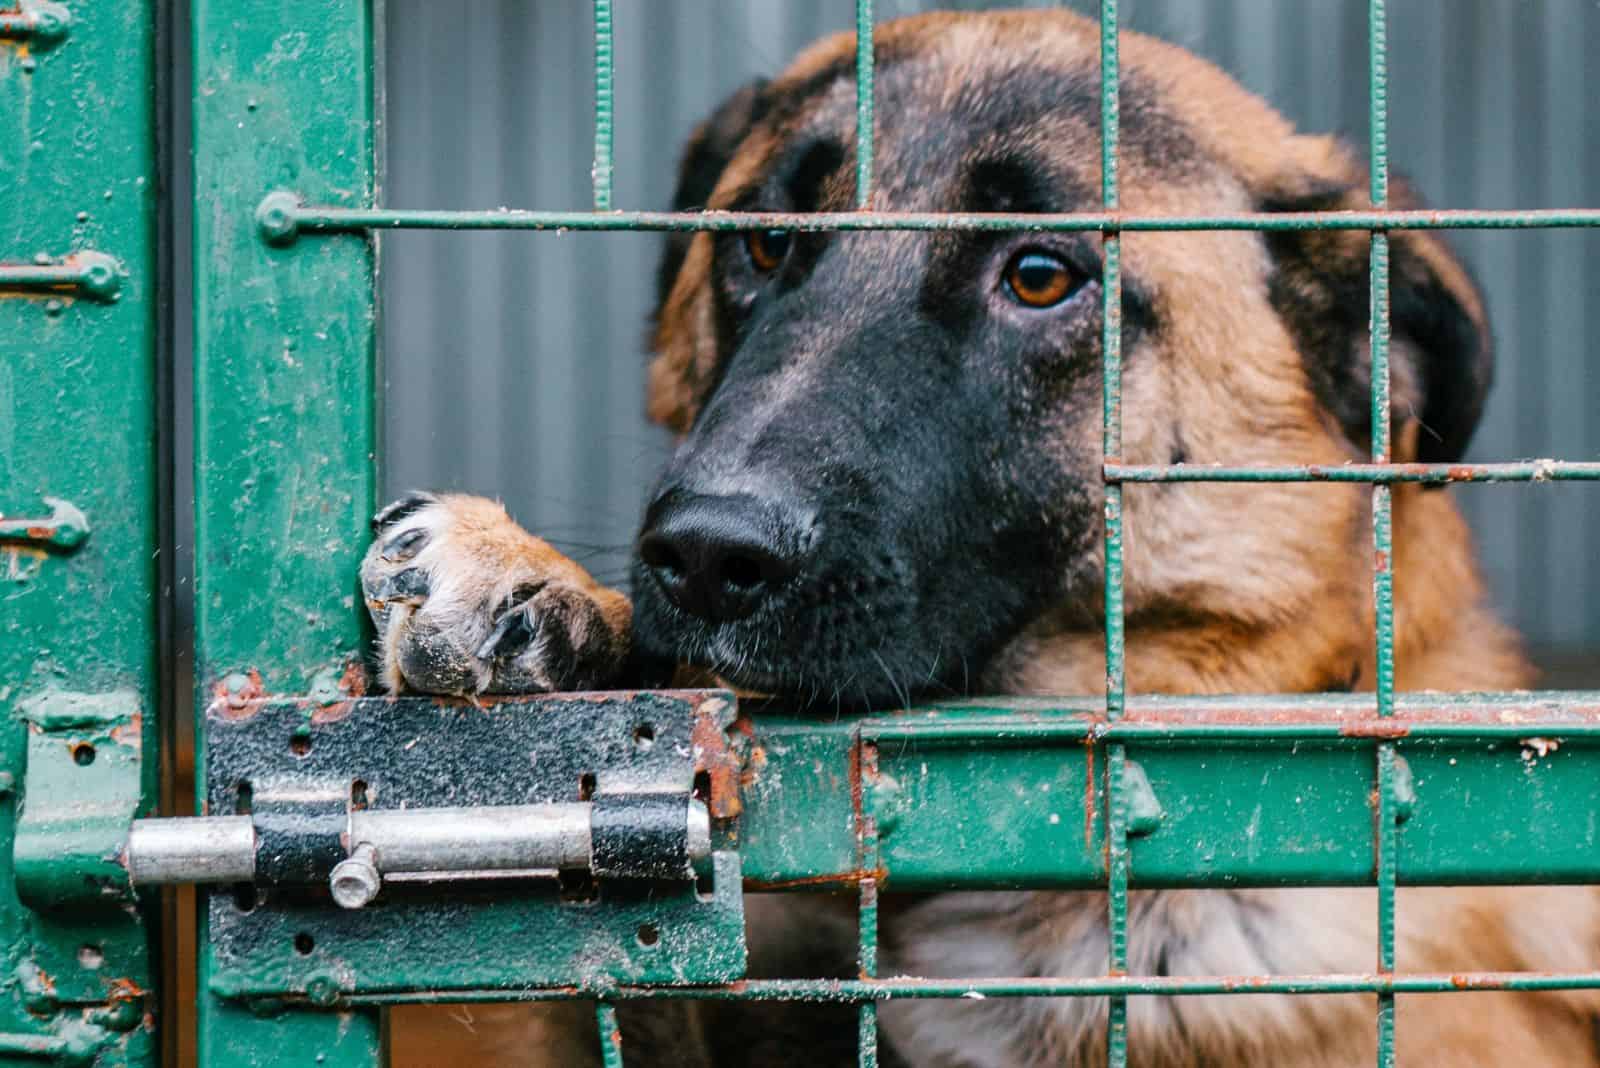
point(511, 634)
point(404, 545)
point(408, 585)
point(395, 511)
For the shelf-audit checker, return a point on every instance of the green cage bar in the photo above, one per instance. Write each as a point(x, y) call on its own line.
point(603, 109)
point(867, 829)
point(1116, 679)
point(286, 215)
point(864, 104)
point(1382, 521)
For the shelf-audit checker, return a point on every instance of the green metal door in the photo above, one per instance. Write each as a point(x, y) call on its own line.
point(78, 526)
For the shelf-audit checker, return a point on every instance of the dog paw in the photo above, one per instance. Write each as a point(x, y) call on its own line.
point(467, 602)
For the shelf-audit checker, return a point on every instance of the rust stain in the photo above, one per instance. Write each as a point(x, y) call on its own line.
point(714, 756)
point(1380, 560)
point(1088, 796)
point(129, 733)
point(1379, 728)
point(1356, 718)
point(857, 808)
point(331, 713)
point(833, 880)
point(124, 989)
point(354, 680)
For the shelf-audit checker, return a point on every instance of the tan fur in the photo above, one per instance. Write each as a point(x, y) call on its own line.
point(1230, 588)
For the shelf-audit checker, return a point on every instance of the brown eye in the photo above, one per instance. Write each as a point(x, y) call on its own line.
point(1039, 279)
point(767, 248)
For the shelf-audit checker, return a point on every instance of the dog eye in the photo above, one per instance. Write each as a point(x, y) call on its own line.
point(767, 248)
point(1039, 279)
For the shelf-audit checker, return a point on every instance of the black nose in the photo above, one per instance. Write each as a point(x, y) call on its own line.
point(718, 557)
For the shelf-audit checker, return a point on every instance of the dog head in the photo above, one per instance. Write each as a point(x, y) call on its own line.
point(889, 467)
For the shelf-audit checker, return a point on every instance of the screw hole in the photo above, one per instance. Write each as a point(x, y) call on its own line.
point(649, 934)
point(300, 743)
point(586, 786)
point(702, 786)
point(244, 897)
point(304, 943)
point(243, 797)
point(358, 795)
point(91, 956)
point(644, 736)
point(83, 754)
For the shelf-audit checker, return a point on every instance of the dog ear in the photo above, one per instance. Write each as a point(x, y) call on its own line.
point(706, 156)
point(1442, 351)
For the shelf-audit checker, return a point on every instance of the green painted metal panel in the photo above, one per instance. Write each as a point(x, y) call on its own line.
point(1251, 792)
point(285, 394)
point(78, 533)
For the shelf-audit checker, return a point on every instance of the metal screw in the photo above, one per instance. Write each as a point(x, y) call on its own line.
point(355, 879)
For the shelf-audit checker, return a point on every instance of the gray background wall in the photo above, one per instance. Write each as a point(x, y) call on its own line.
point(515, 361)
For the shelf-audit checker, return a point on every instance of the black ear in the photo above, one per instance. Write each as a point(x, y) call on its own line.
point(1442, 351)
point(707, 155)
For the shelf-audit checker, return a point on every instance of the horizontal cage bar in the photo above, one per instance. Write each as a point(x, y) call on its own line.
point(282, 218)
point(904, 988)
point(1430, 474)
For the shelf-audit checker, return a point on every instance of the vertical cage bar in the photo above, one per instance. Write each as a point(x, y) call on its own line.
point(1382, 517)
point(605, 1015)
point(864, 103)
point(603, 96)
point(1116, 682)
point(867, 907)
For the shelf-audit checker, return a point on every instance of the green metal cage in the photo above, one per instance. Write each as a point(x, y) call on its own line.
point(288, 208)
point(1382, 723)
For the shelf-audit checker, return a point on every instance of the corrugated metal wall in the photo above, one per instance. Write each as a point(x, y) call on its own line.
point(515, 361)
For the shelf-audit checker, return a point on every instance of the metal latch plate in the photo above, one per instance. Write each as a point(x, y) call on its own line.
point(500, 933)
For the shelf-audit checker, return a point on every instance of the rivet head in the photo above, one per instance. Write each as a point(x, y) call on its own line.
point(275, 217)
point(322, 990)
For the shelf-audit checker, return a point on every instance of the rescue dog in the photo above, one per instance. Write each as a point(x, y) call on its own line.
point(887, 483)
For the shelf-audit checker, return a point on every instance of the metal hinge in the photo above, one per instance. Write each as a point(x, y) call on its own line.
point(84, 949)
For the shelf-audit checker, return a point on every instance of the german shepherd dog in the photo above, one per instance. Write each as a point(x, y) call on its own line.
point(887, 482)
